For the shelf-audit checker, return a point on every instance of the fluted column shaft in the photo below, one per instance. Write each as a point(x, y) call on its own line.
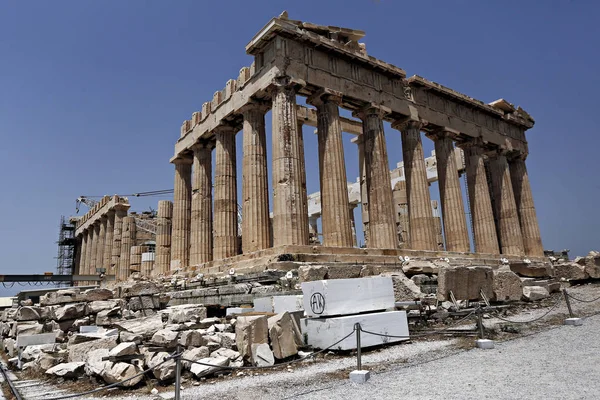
point(530, 229)
point(95, 243)
point(127, 241)
point(255, 181)
point(290, 209)
point(364, 198)
point(201, 237)
point(336, 224)
point(226, 222)
point(117, 238)
point(482, 215)
point(163, 236)
point(453, 209)
point(182, 214)
point(89, 250)
point(108, 240)
point(509, 229)
point(83, 256)
point(101, 241)
point(382, 223)
point(422, 230)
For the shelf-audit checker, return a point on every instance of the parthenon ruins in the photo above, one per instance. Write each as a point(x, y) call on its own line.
point(332, 70)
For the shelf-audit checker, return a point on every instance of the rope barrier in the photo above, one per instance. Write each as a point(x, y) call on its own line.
point(557, 302)
point(582, 300)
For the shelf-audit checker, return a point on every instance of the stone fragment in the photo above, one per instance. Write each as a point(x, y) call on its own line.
point(143, 303)
point(124, 349)
point(186, 313)
point(165, 338)
point(108, 317)
point(162, 370)
point(531, 270)
point(250, 330)
point(343, 272)
point(145, 327)
point(26, 328)
point(465, 283)
point(231, 354)
point(71, 311)
point(78, 352)
point(580, 260)
point(415, 267)
point(191, 339)
point(208, 322)
point(94, 365)
point(204, 370)
point(28, 314)
point(146, 288)
point(227, 340)
point(308, 273)
point(125, 336)
point(61, 297)
point(194, 354)
point(96, 306)
point(570, 271)
point(420, 279)
point(534, 293)
point(404, 288)
point(262, 356)
point(67, 370)
point(78, 323)
point(592, 265)
point(98, 294)
point(123, 372)
point(282, 335)
point(507, 286)
point(46, 361)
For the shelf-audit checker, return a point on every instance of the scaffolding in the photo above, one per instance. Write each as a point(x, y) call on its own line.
point(66, 248)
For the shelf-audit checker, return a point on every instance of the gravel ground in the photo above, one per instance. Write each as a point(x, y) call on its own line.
point(549, 362)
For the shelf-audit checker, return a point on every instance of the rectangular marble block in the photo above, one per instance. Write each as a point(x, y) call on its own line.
point(323, 332)
point(347, 296)
point(237, 310)
point(278, 304)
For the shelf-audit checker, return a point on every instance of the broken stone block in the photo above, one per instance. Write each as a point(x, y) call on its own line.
point(28, 314)
point(125, 336)
point(592, 266)
point(343, 272)
point(227, 339)
point(465, 283)
point(404, 288)
point(570, 271)
point(46, 361)
point(282, 335)
point(323, 332)
point(194, 355)
point(415, 267)
point(308, 273)
point(77, 352)
point(579, 260)
point(507, 286)
point(250, 330)
point(145, 326)
point(231, 354)
point(61, 297)
point(327, 298)
point(141, 289)
point(165, 338)
point(191, 339)
point(124, 349)
point(67, 370)
point(204, 370)
point(71, 311)
point(26, 328)
point(108, 317)
point(94, 365)
point(143, 303)
point(98, 294)
point(207, 323)
point(186, 313)
point(262, 356)
point(531, 270)
point(95, 307)
point(534, 293)
point(164, 371)
point(121, 371)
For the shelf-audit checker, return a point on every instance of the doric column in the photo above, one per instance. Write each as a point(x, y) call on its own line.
point(482, 215)
point(382, 223)
point(509, 229)
point(401, 203)
point(453, 209)
point(89, 250)
point(201, 237)
point(163, 236)
point(101, 241)
point(77, 253)
point(108, 240)
point(351, 208)
point(120, 213)
point(337, 228)
point(255, 181)
point(182, 213)
point(127, 241)
point(422, 231)
point(225, 203)
point(530, 229)
point(95, 233)
point(364, 198)
point(313, 229)
point(290, 210)
point(83, 256)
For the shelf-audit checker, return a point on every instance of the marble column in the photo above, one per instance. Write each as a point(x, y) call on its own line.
point(101, 240)
point(382, 222)
point(313, 229)
point(108, 240)
point(255, 181)
point(163, 236)
point(336, 224)
point(225, 202)
point(290, 209)
point(77, 253)
point(509, 229)
point(89, 250)
point(453, 210)
point(364, 198)
point(401, 203)
point(530, 229)
point(83, 256)
point(129, 232)
point(95, 235)
point(201, 237)
point(482, 215)
point(422, 231)
point(351, 208)
point(120, 213)
point(182, 213)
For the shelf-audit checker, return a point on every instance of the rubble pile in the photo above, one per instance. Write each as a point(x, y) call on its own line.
point(115, 335)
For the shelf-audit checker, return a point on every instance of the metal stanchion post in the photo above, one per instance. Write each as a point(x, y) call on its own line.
point(359, 375)
point(178, 374)
point(572, 320)
point(481, 342)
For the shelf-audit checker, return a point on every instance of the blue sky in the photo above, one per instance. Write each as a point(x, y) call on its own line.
point(92, 95)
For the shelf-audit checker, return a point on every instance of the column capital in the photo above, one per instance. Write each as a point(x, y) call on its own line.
point(183, 159)
point(284, 83)
point(203, 144)
point(474, 142)
point(254, 106)
point(442, 133)
point(324, 95)
point(372, 109)
point(408, 123)
point(225, 129)
point(517, 155)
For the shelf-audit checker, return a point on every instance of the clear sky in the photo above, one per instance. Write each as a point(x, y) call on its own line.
point(92, 95)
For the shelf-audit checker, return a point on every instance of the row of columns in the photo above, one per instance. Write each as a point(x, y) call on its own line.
point(197, 240)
